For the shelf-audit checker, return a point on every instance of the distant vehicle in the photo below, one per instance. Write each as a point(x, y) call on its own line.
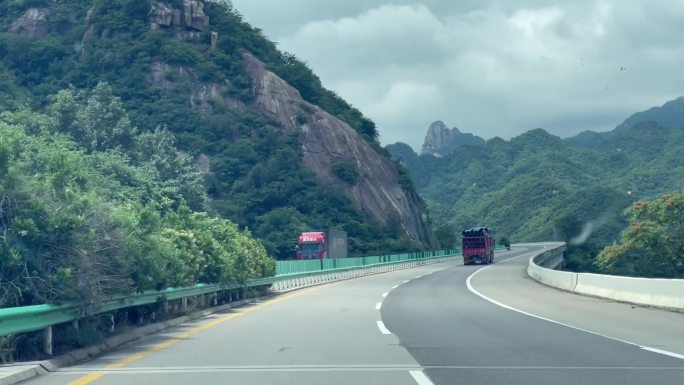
point(322, 244)
point(478, 246)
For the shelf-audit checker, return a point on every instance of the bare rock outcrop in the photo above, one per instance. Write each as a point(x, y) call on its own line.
point(161, 14)
point(202, 94)
point(325, 140)
point(440, 140)
point(203, 164)
point(33, 24)
point(191, 16)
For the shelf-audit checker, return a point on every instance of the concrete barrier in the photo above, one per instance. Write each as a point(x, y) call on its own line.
point(558, 279)
point(660, 293)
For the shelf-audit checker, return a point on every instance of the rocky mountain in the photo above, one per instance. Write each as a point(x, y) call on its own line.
point(538, 186)
point(670, 115)
point(280, 153)
point(440, 140)
point(327, 141)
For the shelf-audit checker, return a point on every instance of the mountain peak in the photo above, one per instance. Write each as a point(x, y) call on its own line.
point(440, 140)
point(670, 114)
point(227, 92)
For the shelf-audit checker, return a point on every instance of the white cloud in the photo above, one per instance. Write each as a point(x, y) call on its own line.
point(493, 68)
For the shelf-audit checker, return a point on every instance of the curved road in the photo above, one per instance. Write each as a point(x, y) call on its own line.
point(441, 324)
point(462, 338)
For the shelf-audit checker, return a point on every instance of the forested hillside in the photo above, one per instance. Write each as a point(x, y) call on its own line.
point(539, 187)
point(192, 69)
point(670, 114)
point(81, 219)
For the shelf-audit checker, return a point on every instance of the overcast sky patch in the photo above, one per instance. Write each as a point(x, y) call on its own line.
point(493, 68)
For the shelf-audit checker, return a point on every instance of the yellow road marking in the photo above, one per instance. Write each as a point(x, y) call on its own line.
point(92, 377)
point(87, 379)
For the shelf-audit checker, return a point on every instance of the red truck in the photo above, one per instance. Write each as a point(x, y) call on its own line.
point(322, 244)
point(478, 246)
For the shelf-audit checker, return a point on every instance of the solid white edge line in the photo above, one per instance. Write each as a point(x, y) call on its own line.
point(378, 305)
point(420, 276)
point(407, 281)
point(495, 302)
point(385, 294)
point(395, 286)
point(420, 377)
point(382, 328)
point(665, 352)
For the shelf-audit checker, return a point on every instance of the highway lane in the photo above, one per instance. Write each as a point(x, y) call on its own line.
point(395, 328)
point(461, 338)
point(328, 334)
point(508, 283)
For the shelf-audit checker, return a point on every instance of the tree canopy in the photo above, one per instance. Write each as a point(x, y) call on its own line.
point(102, 92)
point(80, 218)
point(653, 243)
point(539, 187)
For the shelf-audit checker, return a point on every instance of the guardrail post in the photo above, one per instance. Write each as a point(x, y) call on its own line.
point(184, 304)
point(47, 340)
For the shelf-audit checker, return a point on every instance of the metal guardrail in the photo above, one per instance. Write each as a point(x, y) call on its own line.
point(24, 319)
point(290, 275)
point(293, 267)
point(550, 258)
point(293, 281)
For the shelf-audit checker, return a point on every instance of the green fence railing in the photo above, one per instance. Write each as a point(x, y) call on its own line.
point(32, 318)
point(285, 268)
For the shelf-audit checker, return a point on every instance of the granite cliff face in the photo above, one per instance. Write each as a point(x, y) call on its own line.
point(33, 24)
point(327, 140)
point(329, 146)
point(190, 17)
point(440, 140)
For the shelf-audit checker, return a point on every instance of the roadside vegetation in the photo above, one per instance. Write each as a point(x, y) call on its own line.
point(89, 208)
point(255, 175)
point(653, 243)
point(539, 187)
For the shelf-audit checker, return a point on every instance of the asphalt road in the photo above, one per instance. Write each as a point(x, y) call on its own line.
point(323, 335)
point(460, 337)
point(417, 326)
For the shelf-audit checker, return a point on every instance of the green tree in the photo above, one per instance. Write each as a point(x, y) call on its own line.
point(79, 224)
point(96, 119)
point(447, 236)
point(283, 225)
point(653, 244)
point(175, 169)
point(505, 242)
point(346, 171)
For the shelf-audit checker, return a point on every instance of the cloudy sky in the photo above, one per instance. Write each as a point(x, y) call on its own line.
point(490, 67)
